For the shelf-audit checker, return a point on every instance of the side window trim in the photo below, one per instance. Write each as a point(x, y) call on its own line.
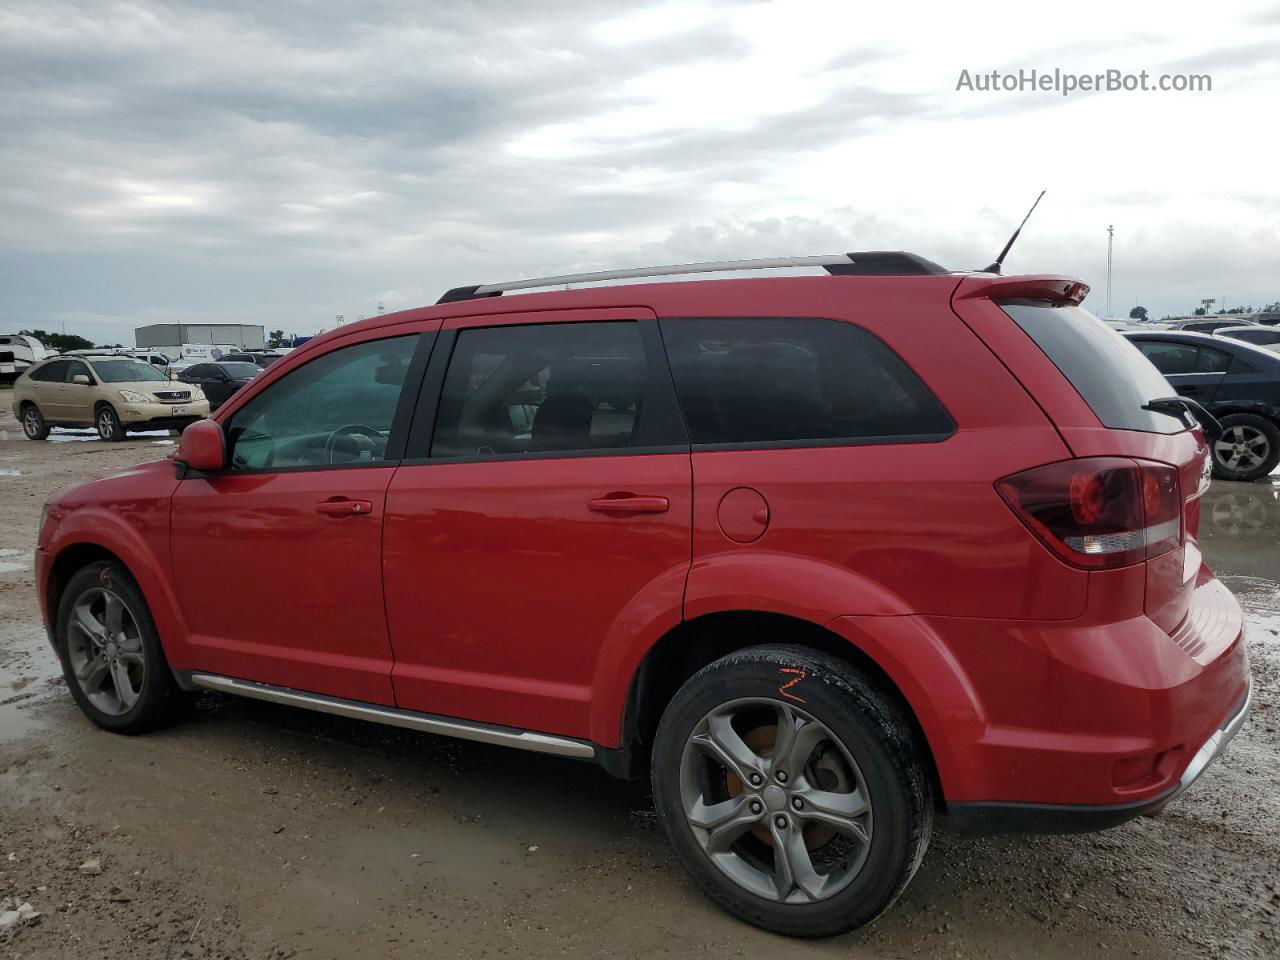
point(400, 421)
point(661, 404)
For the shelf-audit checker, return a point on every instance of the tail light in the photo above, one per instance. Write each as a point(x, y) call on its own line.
point(1099, 512)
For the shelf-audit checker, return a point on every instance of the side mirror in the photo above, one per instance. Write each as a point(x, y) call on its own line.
point(82, 379)
point(202, 447)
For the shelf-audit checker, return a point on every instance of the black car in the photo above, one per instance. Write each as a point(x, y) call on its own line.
point(259, 358)
point(1237, 382)
point(219, 380)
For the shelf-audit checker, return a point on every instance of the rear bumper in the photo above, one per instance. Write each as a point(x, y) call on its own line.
point(1083, 818)
point(1033, 723)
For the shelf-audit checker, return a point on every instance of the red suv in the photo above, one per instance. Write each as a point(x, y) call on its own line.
point(825, 556)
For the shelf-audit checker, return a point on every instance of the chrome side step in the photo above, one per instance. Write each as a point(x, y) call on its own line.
point(394, 717)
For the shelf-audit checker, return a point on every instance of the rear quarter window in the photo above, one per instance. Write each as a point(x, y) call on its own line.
point(1108, 371)
point(808, 381)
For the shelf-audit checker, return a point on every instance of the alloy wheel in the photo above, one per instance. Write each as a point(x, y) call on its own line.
point(1242, 447)
point(776, 801)
point(31, 422)
point(105, 652)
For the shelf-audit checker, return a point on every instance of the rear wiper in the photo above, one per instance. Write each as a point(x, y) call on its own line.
point(1180, 406)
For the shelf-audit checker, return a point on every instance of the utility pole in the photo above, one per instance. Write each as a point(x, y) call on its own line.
point(1110, 235)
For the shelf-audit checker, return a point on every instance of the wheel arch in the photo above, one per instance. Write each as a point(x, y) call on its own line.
point(74, 557)
point(92, 535)
point(692, 644)
point(1224, 408)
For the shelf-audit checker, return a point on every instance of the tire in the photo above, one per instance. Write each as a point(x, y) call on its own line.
point(863, 747)
point(152, 699)
point(33, 424)
point(1248, 449)
point(108, 423)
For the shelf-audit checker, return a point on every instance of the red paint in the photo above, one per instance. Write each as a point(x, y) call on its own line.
point(528, 592)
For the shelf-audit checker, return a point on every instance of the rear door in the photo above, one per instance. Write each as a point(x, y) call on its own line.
point(543, 511)
point(47, 382)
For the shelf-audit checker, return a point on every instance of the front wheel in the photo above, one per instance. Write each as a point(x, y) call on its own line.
point(111, 655)
point(1248, 449)
point(792, 790)
point(109, 426)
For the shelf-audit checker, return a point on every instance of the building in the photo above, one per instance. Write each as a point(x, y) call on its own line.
point(172, 337)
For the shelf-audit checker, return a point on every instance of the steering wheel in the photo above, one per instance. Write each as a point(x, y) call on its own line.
point(366, 440)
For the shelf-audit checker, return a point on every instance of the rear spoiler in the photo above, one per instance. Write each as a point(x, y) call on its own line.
point(1059, 291)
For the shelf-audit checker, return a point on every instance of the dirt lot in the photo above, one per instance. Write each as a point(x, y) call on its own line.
point(259, 831)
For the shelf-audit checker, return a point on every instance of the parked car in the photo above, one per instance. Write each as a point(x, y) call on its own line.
point(1206, 326)
point(261, 358)
point(1266, 337)
point(115, 394)
point(759, 539)
point(154, 357)
point(1237, 382)
point(219, 380)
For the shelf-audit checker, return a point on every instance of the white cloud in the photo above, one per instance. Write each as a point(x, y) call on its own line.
point(285, 163)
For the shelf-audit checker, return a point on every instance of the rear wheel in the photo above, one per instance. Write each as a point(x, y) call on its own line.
point(33, 424)
point(111, 655)
point(1248, 449)
point(791, 790)
point(108, 422)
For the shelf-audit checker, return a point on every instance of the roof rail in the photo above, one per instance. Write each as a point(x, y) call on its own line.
point(866, 263)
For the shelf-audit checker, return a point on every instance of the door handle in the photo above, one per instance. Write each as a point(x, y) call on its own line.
point(626, 503)
point(344, 508)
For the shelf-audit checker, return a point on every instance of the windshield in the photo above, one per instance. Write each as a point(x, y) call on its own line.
point(238, 371)
point(126, 371)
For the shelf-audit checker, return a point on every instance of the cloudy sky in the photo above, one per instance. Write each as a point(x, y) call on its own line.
point(284, 162)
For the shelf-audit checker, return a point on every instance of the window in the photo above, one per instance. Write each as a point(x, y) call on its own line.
point(127, 371)
point(1169, 357)
point(55, 371)
point(337, 409)
point(1107, 370)
point(777, 380)
point(542, 388)
point(238, 371)
point(1210, 360)
point(201, 371)
point(76, 368)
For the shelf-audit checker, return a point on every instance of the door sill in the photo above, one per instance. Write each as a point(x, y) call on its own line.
point(395, 717)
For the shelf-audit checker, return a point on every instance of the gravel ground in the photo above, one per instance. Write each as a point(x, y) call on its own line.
point(253, 830)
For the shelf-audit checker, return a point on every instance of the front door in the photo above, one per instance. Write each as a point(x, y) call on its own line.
point(549, 510)
point(278, 558)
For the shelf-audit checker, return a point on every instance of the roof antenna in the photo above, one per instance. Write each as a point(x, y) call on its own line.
point(999, 261)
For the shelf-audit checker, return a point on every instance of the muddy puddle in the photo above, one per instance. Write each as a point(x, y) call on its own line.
point(29, 675)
